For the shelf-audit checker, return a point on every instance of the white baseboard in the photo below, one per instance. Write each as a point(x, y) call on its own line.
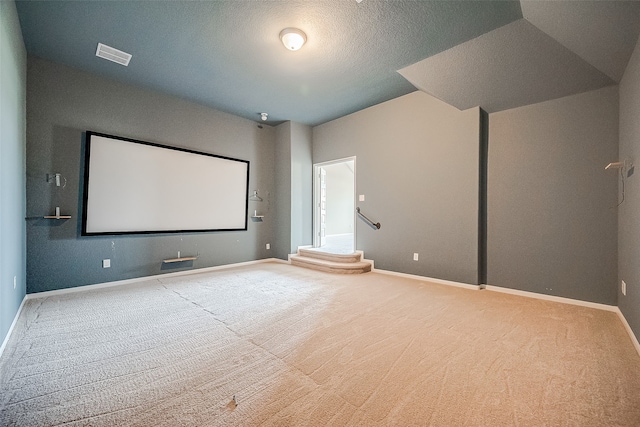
point(563, 300)
point(427, 279)
point(121, 283)
point(297, 252)
point(633, 337)
point(553, 298)
point(146, 278)
point(13, 324)
point(492, 288)
point(370, 261)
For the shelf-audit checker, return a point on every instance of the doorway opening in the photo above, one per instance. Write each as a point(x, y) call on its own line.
point(334, 206)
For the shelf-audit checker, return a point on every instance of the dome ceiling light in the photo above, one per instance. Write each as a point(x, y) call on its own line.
point(292, 38)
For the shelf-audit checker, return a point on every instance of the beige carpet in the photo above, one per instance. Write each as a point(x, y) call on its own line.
point(304, 348)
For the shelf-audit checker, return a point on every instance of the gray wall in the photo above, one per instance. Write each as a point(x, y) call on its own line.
point(552, 226)
point(62, 103)
point(294, 173)
point(629, 211)
point(418, 167)
point(301, 186)
point(282, 235)
point(13, 84)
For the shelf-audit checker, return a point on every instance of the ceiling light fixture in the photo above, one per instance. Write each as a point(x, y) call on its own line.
point(292, 38)
point(264, 116)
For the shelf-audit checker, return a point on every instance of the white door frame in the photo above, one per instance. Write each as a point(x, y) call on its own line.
point(316, 197)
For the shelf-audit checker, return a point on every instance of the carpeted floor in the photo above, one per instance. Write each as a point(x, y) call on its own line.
point(304, 348)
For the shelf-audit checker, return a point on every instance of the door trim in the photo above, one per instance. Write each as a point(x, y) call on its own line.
point(316, 197)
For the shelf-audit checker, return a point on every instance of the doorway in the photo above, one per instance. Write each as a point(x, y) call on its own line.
point(334, 206)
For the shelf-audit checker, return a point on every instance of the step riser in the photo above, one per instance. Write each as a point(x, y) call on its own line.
point(342, 258)
point(332, 269)
point(332, 263)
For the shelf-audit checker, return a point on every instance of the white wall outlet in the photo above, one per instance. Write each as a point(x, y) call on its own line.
point(15, 280)
point(361, 197)
point(268, 245)
point(106, 263)
point(624, 288)
point(415, 256)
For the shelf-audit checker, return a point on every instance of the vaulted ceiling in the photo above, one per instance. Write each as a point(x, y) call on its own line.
point(227, 54)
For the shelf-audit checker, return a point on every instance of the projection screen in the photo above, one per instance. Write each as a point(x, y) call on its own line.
point(137, 187)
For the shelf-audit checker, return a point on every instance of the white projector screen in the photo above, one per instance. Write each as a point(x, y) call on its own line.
point(137, 187)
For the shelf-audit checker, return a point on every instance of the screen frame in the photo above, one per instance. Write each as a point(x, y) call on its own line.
point(85, 196)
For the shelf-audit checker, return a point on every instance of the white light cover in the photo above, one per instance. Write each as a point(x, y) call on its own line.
point(292, 38)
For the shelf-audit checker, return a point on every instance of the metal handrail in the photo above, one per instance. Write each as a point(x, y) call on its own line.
point(375, 225)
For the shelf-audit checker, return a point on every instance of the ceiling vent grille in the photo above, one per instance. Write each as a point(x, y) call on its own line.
point(111, 54)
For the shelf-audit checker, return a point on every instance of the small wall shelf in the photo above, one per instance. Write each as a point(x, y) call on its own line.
point(257, 216)
point(184, 258)
point(57, 214)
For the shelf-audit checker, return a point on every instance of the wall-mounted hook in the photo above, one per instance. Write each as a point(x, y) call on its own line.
point(254, 197)
point(57, 178)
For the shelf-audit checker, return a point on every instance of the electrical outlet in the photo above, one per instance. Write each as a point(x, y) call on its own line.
point(106, 263)
point(268, 245)
point(415, 256)
point(361, 198)
point(14, 281)
point(624, 288)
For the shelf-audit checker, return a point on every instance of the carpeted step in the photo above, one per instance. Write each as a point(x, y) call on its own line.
point(330, 266)
point(310, 253)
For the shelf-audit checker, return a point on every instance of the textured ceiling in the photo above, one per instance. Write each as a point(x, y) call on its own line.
point(603, 33)
point(509, 67)
point(560, 48)
point(227, 55)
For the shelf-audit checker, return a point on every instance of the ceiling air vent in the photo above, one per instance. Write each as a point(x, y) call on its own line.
point(111, 54)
